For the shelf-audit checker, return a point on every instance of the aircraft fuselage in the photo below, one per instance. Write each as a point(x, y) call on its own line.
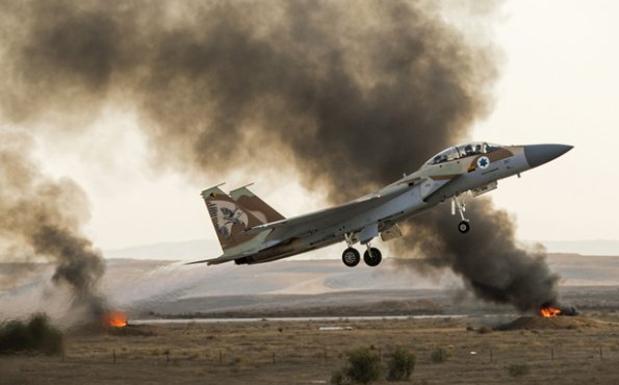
point(429, 186)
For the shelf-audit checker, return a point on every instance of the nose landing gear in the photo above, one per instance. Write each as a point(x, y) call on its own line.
point(464, 225)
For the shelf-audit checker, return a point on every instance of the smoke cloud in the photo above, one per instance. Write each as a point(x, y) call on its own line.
point(489, 259)
point(350, 94)
point(41, 218)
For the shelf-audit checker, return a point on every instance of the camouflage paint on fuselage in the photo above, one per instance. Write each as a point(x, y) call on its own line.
point(250, 231)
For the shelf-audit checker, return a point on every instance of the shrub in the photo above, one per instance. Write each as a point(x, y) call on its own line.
point(401, 365)
point(517, 370)
point(363, 366)
point(35, 335)
point(338, 378)
point(438, 355)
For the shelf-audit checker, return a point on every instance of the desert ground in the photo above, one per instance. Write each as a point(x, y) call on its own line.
point(571, 350)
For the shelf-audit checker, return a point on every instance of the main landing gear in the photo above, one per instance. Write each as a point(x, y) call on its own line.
point(464, 225)
point(372, 256)
point(351, 257)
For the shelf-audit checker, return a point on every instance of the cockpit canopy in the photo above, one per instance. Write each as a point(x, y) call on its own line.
point(462, 151)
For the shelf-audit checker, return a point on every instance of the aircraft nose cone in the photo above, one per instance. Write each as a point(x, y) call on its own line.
point(537, 154)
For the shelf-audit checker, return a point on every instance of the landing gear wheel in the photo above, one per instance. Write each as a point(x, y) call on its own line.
point(372, 257)
point(464, 227)
point(351, 257)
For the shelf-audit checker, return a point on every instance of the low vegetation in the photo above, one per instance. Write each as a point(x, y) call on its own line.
point(401, 365)
point(36, 335)
point(518, 370)
point(364, 366)
point(338, 378)
point(439, 355)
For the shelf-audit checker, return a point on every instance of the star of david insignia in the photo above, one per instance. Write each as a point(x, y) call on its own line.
point(483, 162)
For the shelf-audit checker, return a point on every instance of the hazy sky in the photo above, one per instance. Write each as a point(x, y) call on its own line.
point(558, 84)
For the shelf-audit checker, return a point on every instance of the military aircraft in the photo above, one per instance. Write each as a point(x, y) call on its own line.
point(250, 231)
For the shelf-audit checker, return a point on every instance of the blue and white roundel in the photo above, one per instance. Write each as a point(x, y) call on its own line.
point(483, 162)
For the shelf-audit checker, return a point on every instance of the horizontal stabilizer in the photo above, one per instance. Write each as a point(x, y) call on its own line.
point(218, 260)
point(196, 262)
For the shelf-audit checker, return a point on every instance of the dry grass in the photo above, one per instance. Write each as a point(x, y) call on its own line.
point(555, 323)
point(259, 353)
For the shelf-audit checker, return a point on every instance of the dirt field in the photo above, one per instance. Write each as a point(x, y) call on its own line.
point(299, 353)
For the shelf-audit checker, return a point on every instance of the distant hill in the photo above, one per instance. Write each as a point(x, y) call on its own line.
point(182, 250)
point(584, 247)
point(208, 248)
point(171, 287)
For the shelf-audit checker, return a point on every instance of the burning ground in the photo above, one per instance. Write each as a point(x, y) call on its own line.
point(40, 221)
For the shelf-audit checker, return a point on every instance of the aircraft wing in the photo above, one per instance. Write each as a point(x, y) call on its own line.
point(436, 191)
point(285, 229)
point(309, 223)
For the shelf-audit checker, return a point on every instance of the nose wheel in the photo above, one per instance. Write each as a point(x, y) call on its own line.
point(464, 226)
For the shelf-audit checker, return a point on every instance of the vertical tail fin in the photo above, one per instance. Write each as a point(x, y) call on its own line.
point(259, 208)
point(230, 220)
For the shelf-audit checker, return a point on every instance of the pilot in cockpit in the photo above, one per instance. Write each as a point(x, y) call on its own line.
point(473, 149)
point(440, 159)
point(459, 152)
point(468, 150)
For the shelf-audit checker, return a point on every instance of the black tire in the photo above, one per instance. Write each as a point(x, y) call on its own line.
point(374, 258)
point(464, 227)
point(351, 257)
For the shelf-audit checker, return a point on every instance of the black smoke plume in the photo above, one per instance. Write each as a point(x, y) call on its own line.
point(348, 93)
point(489, 259)
point(41, 218)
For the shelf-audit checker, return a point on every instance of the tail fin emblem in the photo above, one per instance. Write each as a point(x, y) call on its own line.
point(226, 215)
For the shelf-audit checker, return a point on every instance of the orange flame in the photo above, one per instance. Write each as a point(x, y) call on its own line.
point(549, 311)
point(115, 319)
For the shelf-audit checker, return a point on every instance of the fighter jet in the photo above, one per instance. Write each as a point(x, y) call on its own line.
point(250, 231)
